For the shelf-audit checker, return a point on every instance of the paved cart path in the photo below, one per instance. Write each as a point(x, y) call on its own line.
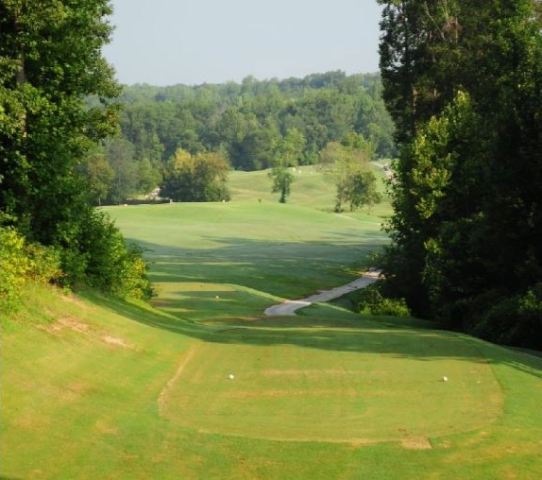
point(289, 307)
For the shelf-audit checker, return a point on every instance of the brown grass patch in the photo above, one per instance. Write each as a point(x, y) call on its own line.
point(105, 428)
point(74, 391)
point(309, 373)
point(240, 394)
point(64, 323)
point(117, 342)
point(416, 443)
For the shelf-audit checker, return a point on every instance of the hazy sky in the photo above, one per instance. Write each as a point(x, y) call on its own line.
point(164, 42)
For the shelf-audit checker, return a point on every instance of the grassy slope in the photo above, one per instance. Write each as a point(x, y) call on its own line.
point(310, 189)
point(96, 388)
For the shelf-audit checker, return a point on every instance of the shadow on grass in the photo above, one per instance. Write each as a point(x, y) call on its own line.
point(293, 270)
point(351, 333)
point(281, 268)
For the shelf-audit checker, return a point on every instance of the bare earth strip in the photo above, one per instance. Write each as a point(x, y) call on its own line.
point(289, 307)
point(171, 382)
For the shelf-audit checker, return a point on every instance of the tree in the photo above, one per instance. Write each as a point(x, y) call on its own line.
point(467, 228)
point(120, 155)
point(196, 178)
point(98, 174)
point(51, 58)
point(51, 61)
point(349, 168)
point(290, 150)
point(148, 177)
point(251, 121)
point(282, 181)
point(358, 189)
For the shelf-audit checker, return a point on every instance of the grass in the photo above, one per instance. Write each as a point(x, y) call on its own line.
point(98, 388)
point(310, 188)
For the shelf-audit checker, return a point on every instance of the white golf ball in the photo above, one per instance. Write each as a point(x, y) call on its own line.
point(231, 376)
point(444, 379)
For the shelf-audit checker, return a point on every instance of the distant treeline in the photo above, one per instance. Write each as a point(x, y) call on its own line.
point(247, 123)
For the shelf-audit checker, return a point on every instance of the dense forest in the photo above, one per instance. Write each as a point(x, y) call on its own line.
point(252, 125)
point(463, 83)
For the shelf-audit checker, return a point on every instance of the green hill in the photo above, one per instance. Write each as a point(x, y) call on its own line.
point(98, 388)
point(310, 188)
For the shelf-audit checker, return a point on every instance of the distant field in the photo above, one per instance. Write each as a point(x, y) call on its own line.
point(94, 388)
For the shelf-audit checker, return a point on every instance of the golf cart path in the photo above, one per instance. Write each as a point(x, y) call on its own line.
point(289, 307)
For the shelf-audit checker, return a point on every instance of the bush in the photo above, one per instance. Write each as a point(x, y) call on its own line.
point(515, 320)
point(111, 264)
point(21, 261)
point(14, 265)
point(196, 178)
point(372, 302)
point(44, 263)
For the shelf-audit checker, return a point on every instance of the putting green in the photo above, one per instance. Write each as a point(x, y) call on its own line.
point(285, 390)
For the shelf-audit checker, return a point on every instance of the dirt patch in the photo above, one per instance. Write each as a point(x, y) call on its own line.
point(117, 342)
point(69, 323)
point(416, 443)
point(73, 299)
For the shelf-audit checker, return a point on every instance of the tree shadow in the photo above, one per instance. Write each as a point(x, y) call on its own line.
point(322, 330)
point(282, 268)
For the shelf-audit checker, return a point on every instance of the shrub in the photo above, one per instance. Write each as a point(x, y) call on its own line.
point(371, 301)
point(14, 265)
point(515, 320)
point(21, 261)
point(196, 178)
point(44, 263)
point(111, 264)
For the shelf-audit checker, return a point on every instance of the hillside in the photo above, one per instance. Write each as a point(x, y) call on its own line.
point(98, 388)
point(311, 188)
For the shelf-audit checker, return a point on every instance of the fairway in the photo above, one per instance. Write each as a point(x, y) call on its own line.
point(202, 385)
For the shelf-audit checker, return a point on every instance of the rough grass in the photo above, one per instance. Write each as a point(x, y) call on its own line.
point(97, 388)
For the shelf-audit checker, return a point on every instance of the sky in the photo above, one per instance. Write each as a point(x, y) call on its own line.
point(165, 42)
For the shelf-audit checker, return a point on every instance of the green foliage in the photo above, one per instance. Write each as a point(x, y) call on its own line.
point(348, 166)
point(14, 265)
point(99, 175)
point(467, 188)
point(372, 302)
point(282, 182)
point(254, 121)
point(109, 263)
point(196, 178)
point(51, 60)
point(514, 320)
point(120, 156)
point(21, 262)
point(357, 189)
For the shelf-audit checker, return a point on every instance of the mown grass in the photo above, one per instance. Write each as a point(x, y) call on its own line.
point(98, 388)
point(310, 188)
